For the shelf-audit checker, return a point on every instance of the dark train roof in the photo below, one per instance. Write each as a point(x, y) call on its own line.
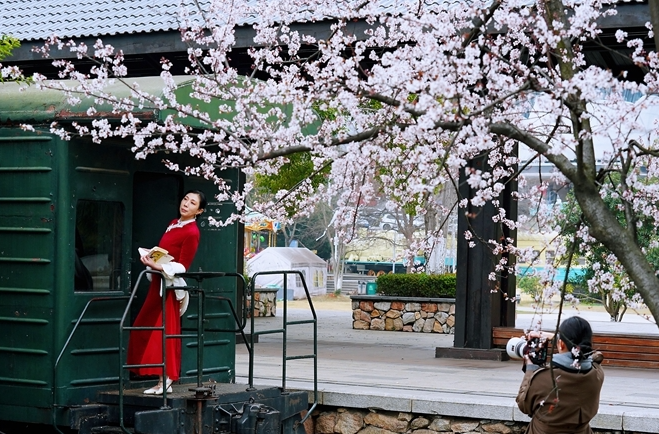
point(27, 104)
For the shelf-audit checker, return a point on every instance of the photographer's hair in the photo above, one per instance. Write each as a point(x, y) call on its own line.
point(202, 197)
point(576, 332)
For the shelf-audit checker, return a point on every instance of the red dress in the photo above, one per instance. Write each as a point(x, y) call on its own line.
point(145, 347)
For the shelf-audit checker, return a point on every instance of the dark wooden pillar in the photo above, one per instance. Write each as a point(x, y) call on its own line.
point(480, 302)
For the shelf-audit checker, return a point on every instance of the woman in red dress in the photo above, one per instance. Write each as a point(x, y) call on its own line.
point(181, 240)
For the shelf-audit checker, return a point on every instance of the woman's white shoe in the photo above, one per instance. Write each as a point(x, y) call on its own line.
point(158, 388)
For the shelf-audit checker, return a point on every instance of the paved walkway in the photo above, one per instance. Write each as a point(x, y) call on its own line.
point(398, 371)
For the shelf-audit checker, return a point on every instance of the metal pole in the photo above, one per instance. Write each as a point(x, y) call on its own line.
point(393, 259)
point(284, 334)
point(200, 334)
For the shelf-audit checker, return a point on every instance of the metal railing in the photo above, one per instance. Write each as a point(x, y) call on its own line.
point(122, 350)
point(240, 320)
point(284, 332)
point(66, 345)
point(199, 277)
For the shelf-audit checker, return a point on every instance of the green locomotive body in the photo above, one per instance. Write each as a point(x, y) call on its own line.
point(72, 216)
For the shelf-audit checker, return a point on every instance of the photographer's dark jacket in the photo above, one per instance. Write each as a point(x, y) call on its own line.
point(578, 399)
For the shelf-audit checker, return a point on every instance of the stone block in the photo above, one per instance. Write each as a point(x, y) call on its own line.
point(309, 424)
point(377, 324)
point(450, 321)
point(518, 416)
point(382, 305)
point(392, 314)
point(429, 307)
point(497, 427)
point(451, 310)
point(641, 420)
point(375, 430)
point(437, 327)
point(389, 324)
point(473, 408)
point(444, 307)
point(398, 324)
point(366, 306)
point(419, 422)
point(408, 318)
point(397, 305)
point(408, 328)
point(356, 314)
point(440, 424)
point(413, 307)
point(355, 304)
point(349, 422)
point(358, 400)
point(325, 422)
point(428, 325)
point(464, 426)
point(418, 325)
point(375, 313)
point(441, 317)
point(361, 325)
point(609, 419)
point(365, 317)
point(386, 421)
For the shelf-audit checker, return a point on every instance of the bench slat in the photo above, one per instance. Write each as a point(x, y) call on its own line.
point(629, 349)
point(630, 364)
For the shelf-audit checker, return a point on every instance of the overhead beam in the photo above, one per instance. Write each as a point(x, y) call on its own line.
point(629, 15)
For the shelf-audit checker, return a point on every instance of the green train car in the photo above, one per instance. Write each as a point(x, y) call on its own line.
point(72, 216)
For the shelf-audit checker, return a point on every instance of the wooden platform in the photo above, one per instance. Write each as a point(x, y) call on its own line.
point(621, 350)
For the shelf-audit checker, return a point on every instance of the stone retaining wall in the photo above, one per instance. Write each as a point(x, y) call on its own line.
point(265, 303)
point(407, 314)
point(331, 420)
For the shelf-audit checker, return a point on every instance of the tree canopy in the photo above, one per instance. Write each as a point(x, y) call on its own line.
point(418, 90)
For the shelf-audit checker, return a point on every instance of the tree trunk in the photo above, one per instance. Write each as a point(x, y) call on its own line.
point(604, 227)
point(289, 233)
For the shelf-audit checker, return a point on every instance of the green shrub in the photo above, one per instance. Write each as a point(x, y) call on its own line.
point(417, 285)
point(530, 285)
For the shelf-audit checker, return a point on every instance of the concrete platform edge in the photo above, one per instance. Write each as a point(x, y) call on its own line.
point(609, 417)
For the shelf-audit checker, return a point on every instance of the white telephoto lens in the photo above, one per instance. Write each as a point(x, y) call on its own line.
point(515, 348)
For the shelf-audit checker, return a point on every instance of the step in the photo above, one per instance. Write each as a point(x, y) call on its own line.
point(106, 429)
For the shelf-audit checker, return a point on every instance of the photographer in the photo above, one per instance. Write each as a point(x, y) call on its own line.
point(563, 398)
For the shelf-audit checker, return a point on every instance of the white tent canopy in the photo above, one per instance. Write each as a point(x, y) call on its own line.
point(312, 267)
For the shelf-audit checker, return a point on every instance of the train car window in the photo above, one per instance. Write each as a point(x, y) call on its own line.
point(99, 230)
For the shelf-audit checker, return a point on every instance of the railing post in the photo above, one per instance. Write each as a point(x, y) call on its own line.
point(200, 335)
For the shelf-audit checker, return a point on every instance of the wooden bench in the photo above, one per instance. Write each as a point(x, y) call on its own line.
point(621, 350)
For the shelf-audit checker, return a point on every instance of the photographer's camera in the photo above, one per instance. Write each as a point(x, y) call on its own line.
point(534, 348)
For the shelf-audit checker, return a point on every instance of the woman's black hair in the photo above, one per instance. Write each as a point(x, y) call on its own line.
point(576, 332)
point(202, 197)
